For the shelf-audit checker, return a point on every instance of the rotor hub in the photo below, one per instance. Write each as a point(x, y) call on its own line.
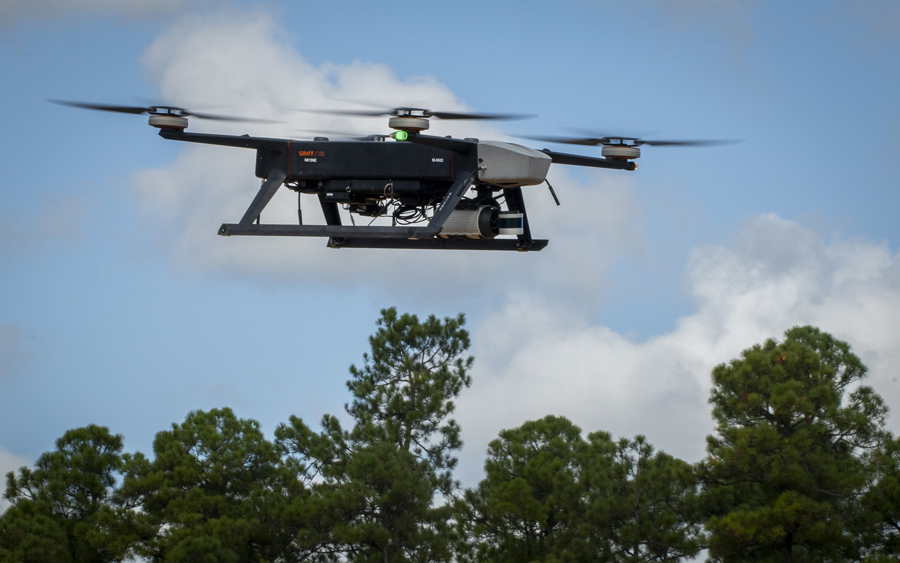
point(169, 121)
point(408, 123)
point(620, 152)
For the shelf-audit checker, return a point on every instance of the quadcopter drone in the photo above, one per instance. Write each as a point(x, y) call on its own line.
point(438, 192)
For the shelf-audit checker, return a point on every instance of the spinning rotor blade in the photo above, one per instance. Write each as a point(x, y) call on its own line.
point(157, 110)
point(695, 143)
point(420, 112)
point(225, 117)
point(586, 141)
point(358, 113)
point(103, 107)
point(630, 141)
point(486, 116)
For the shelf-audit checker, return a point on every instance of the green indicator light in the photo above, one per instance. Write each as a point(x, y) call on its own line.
point(401, 135)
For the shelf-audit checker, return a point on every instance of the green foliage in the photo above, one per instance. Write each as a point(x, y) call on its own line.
point(27, 536)
point(201, 549)
point(551, 495)
point(785, 470)
point(404, 392)
point(880, 511)
point(63, 509)
point(374, 486)
point(529, 505)
point(641, 505)
point(214, 492)
point(801, 469)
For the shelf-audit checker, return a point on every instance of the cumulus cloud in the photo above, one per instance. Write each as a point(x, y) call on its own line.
point(239, 63)
point(10, 462)
point(536, 359)
point(12, 350)
point(14, 11)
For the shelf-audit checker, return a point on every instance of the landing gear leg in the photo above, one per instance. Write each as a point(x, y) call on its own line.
point(516, 202)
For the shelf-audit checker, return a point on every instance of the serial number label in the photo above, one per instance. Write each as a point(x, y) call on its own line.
point(309, 160)
point(437, 160)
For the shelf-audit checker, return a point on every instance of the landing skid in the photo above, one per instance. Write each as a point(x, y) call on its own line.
point(440, 244)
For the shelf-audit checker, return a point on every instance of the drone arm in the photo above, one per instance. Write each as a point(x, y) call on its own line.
point(241, 141)
point(578, 160)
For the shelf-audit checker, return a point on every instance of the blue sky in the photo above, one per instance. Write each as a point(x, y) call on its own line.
point(120, 306)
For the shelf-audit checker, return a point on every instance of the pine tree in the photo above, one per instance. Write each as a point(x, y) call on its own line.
point(530, 504)
point(64, 509)
point(375, 486)
point(784, 472)
point(642, 504)
point(214, 489)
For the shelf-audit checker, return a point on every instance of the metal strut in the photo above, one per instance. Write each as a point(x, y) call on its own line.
point(334, 228)
point(264, 196)
point(516, 202)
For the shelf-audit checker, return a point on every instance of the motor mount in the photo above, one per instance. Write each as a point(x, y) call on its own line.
point(168, 121)
point(620, 152)
point(408, 123)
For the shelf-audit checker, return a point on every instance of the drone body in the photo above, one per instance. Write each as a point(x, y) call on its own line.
point(438, 192)
point(405, 181)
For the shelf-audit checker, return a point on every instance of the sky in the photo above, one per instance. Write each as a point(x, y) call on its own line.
point(121, 306)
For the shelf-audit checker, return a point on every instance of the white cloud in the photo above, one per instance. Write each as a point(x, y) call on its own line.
point(14, 11)
point(9, 462)
point(535, 359)
point(12, 350)
point(236, 62)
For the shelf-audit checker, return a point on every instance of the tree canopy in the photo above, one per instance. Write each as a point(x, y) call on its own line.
point(787, 465)
point(553, 495)
point(215, 487)
point(377, 483)
point(529, 505)
point(801, 468)
point(64, 509)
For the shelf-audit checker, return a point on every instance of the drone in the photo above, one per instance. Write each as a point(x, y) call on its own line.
point(438, 192)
